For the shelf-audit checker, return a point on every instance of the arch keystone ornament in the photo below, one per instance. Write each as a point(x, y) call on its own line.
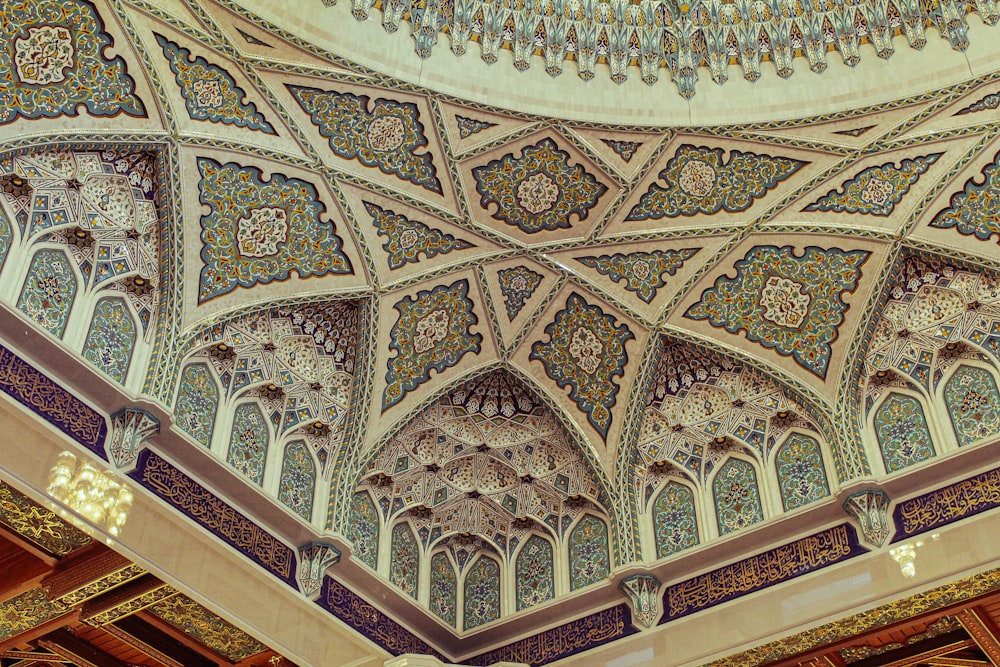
point(130, 428)
point(314, 559)
point(645, 600)
point(870, 507)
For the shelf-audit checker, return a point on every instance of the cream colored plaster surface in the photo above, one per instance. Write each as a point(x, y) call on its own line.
point(839, 88)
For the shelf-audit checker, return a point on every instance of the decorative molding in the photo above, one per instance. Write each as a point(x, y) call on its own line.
point(646, 602)
point(130, 428)
point(215, 515)
point(565, 640)
point(870, 507)
point(34, 390)
point(774, 566)
point(314, 559)
point(947, 505)
point(38, 525)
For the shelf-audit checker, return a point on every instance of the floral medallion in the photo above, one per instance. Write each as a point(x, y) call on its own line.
point(699, 182)
point(787, 303)
point(54, 65)
point(876, 190)
point(408, 238)
point(586, 351)
point(539, 190)
point(432, 332)
point(642, 272)
point(517, 284)
point(382, 133)
point(44, 55)
point(973, 210)
point(278, 229)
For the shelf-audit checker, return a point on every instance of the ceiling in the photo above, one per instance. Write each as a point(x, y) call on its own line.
point(378, 301)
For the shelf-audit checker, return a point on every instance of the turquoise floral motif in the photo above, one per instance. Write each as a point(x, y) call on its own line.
point(586, 351)
point(535, 579)
point(973, 404)
point(876, 190)
point(470, 126)
point(388, 136)
point(444, 589)
point(432, 332)
point(210, 92)
point(404, 567)
point(259, 231)
point(52, 63)
point(6, 237)
point(675, 523)
point(49, 291)
point(298, 479)
point(790, 304)
point(801, 475)
point(111, 338)
point(197, 403)
point(517, 284)
point(625, 149)
point(699, 182)
point(991, 101)
point(589, 553)
point(539, 190)
point(482, 593)
point(902, 433)
point(363, 529)
point(642, 272)
point(408, 238)
point(737, 499)
point(973, 211)
point(249, 441)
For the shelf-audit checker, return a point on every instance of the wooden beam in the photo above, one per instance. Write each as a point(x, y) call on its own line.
point(982, 632)
point(40, 630)
point(66, 644)
point(184, 638)
point(155, 643)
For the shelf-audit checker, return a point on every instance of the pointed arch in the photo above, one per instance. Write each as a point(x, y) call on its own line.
point(901, 432)
point(111, 338)
point(297, 484)
point(443, 601)
point(49, 290)
point(404, 562)
point(973, 404)
point(197, 402)
point(798, 463)
point(534, 572)
point(363, 529)
point(249, 440)
point(675, 519)
point(736, 493)
point(589, 552)
point(481, 592)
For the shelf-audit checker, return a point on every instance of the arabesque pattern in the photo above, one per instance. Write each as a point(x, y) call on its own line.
point(699, 181)
point(433, 332)
point(675, 522)
point(209, 92)
point(111, 338)
point(901, 430)
point(539, 190)
point(534, 578)
point(642, 272)
point(249, 441)
point(973, 404)
point(586, 351)
point(801, 474)
point(737, 497)
point(385, 134)
point(589, 552)
point(53, 63)
point(792, 304)
point(407, 239)
point(404, 567)
point(444, 589)
point(258, 231)
point(297, 484)
point(876, 190)
point(972, 211)
point(482, 593)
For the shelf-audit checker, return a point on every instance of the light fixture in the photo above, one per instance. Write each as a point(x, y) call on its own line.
point(905, 555)
point(90, 492)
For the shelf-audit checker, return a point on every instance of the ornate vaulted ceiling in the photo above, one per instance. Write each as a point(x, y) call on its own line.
point(498, 359)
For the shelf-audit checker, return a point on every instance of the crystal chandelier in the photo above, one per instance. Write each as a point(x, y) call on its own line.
point(90, 493)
